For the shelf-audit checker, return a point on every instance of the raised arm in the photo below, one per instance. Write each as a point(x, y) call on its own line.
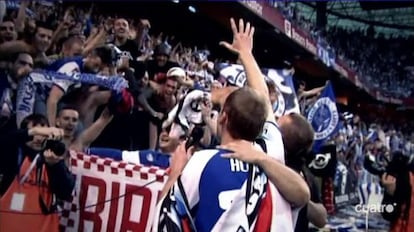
point(143, 101)
point(91, 133)
point(242, 45)
point(56, 93)
point(21, 16)
point(313, 92)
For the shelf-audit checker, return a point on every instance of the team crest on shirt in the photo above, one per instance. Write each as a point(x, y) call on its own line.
point(150, 157)
point(324, 117)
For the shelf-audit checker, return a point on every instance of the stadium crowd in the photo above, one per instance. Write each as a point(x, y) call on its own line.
point(384, 64)
point(174, 94)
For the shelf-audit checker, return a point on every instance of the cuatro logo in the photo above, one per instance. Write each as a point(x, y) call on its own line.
point(388, 208)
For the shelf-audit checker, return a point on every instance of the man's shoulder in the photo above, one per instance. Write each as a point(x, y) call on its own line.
point(196, 166)
point(271, 132)
point(200, 159)
point(205, 154)
point(273, 141)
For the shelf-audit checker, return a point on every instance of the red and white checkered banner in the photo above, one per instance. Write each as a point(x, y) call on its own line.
point(111, 195)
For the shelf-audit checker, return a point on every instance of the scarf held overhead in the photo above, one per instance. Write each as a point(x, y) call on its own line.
point(40, 82)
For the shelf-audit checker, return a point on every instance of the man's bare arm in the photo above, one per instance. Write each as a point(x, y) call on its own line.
point(289, 183)
point(243, 45)
point(21, 16)
point(317, 214)
point(91, 133)
point(52, 104)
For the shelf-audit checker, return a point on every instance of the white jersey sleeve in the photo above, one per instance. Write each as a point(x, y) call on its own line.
point(68, 68)
point(273, 140)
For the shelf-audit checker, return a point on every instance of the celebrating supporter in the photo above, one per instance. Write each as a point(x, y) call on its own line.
point(121, 40)
point(305, 96)
point(68, 120)
point(158, 67)
point(7, 31)
point(50, 92)
point(22, 64)
point(93, 63)
point(33, 172)
point(41, 41)
point(157, 103)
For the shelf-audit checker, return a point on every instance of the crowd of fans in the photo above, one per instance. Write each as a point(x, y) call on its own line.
point(160, 76)
point(381, 62)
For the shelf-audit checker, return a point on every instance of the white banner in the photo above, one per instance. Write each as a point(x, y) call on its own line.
point(111, 196)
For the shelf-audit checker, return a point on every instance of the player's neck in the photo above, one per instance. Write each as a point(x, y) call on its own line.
point(226, 138)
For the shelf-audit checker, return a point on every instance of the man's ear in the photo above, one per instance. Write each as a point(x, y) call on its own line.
point(222, 118)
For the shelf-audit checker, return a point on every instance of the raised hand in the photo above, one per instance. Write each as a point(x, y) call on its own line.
point(145, 23)
point(389, 183)
point(242, 37)
point(206, 108)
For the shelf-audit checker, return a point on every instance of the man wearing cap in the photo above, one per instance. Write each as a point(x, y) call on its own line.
point(159, 66)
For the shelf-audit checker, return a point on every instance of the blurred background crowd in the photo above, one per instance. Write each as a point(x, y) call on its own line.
point(380, 59)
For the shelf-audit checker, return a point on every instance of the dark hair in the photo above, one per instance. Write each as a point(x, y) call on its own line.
point(67, 107)
point(45, 25)
point(107, 54)
point(246, 114)
point(13, 57)
point(298, 136)
point(35, 119)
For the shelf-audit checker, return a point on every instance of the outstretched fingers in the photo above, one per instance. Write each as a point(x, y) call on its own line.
point(251, 32)
point(241, 26)
point(247, 29)
point(233, 26)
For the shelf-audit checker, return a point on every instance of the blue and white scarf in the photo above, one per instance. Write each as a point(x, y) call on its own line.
point(40, 82)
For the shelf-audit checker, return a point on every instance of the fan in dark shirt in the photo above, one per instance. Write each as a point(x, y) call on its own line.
point(158, 67)
point(131, 47)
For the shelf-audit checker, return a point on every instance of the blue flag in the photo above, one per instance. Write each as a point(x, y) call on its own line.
point(324, 117)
